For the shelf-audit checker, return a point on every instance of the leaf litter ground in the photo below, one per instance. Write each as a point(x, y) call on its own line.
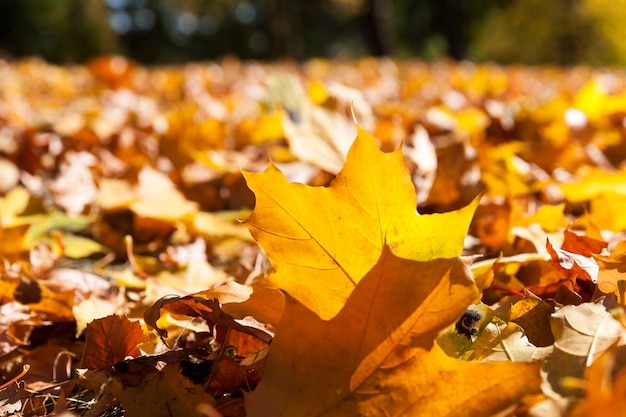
point(232, 238)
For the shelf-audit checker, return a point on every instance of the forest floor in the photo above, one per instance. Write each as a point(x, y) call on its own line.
point(241, 238)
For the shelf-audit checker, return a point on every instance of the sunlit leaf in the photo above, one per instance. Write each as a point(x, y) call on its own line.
point(330, 237)
point(357, 362)
point(582, 333)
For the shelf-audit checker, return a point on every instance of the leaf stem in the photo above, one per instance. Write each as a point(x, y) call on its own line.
point(594, 341)
point(507, 290)
point(128, 240)
point(25, 369)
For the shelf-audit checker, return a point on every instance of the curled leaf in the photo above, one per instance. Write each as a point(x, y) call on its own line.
point(573, 264)
point(194, 306)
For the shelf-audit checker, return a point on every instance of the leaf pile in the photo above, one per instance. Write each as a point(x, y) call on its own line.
point(230, 239)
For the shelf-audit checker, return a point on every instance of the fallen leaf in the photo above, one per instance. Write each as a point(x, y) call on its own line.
point(491, 225)
point(83, 283)
point(582, 333)
point(550, 217)
point(13, 205)
point(164, 394)
point(115, 194)
point(215, 225)
point(573, 264)
point(501, 341)
point(193, 272)
point(54, 220)
point(79, 247)
point(10, 393)
point(606, 211)
point(164, 148)
point(10, 175)
point(49, 362)
point(74, 187)
point(52, 304)
point(10, 401)
point(110, 340)
point(533, 315)
point(264, 303)
point(421, 151)
point(154, 197)
point(586, 330)
point(458, 177)
point(595, 183)
point(605, 387)
point(196, 306)
point(315, 134)
point(92, 309)
point(612, 270)
point(430, 385)
point(582, 245)
point(112, 70)
point(496, 339)
point(379, 346)
point(227, 376)
point(506, 173)
point(158, 198)
point(17, 322)
point(329, 238)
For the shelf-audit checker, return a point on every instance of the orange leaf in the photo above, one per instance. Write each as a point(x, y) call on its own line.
point(376, 353)
point(582, 245)
point(110, 340)
point(194, 306)
point(572, 263)
point(612, 270)
point(606, 395)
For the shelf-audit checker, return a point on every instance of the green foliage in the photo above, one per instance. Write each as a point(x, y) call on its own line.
point(523, 31)
point(561, 32)
point(60, 30)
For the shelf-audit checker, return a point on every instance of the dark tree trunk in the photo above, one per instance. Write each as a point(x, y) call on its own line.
point(377, 27)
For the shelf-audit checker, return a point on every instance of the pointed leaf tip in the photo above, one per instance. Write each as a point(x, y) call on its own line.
point(330, 237)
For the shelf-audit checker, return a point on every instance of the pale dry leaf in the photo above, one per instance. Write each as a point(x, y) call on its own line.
point(75, 188)
point(582, 333)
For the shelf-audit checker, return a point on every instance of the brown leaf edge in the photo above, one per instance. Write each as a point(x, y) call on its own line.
point(194, 306)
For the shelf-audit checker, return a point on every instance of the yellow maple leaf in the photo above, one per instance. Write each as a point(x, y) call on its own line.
point(592, 100)
point(595, 183)
point(376, 357)
point(323, 240)
point(607, 211)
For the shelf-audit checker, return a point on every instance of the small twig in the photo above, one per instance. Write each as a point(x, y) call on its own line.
point(25, 369)
point(180, 334)
point(507, 290)
point(508, 353)
point(223, 347)
point(128, 240)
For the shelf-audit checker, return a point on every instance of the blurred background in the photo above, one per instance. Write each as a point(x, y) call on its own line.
point(561, 32)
